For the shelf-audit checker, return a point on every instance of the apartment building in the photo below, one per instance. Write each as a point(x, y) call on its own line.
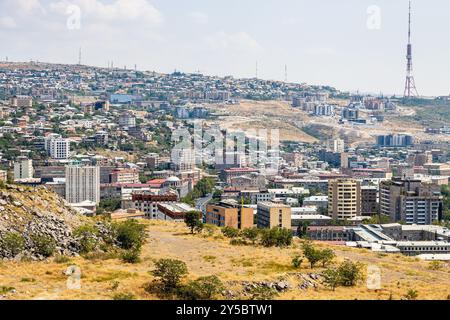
point(410, 201)
point(271, 215)
point(127, 119)
point(148, 203)
point(344, 199)
point(124, 176)
point(59, 149)
point(23, 168)
point(369, 200)
point(21, 102)
point(229, 214)
point(82, 184)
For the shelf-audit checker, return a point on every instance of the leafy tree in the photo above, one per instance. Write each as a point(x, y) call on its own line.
point(130, 234)
point(332, 278)
point(170, 272)
point(327, 255)
point(350, 273)
point(312, 254)
point(217, 194)
point(110, 205)
point(302, 229)
point(193, 221)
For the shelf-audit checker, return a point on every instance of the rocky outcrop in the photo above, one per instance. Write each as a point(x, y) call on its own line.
point(31, 212)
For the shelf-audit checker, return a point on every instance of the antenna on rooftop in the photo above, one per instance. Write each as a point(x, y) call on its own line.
point(79, 57)
point(256, 69)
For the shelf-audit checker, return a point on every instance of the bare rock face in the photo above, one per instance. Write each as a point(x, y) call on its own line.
point(36, 212)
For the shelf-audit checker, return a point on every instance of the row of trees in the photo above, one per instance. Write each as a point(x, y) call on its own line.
point(275, 237)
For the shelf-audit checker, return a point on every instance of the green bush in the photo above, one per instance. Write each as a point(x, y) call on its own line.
point(297, 262)
point(130, 234)
point(279, 237)
point(411, 294)
point(350, 273)
point(131, 256)
point(5, 290)
point(124, 296)
point(230, 232)
point(347, 274)
point(209, 230)
point(13, 243)
point(203, 288)
point(262, 293)
point(331, 278)
point(251, 234)
point(169, 272)
point(61, 259)
point(87, 235)
point(44, 245)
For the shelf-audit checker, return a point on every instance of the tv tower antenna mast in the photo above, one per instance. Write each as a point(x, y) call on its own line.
point(410, 84)
point(285, 73)
point(79, 57)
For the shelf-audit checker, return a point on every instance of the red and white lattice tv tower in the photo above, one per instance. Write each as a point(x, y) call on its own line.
point(410, 85)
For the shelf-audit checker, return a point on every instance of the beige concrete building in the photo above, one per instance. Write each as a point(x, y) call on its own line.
point(344, 199)
point(271, 215)
point(229, 214)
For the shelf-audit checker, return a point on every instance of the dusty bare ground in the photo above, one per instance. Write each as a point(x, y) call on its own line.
point(290, 121)
point(215, 256)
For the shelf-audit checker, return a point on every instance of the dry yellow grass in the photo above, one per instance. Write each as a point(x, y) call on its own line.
point(280, 115)
point(215, 256)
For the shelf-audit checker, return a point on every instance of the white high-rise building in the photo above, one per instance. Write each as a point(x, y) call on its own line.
point(23, 169)
point(82, 184)
point(59, 149)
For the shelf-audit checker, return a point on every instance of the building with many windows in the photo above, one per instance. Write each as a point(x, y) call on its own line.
point(271, 215)
point(344, 199)
point(59, 149)
point(82, 184)
point(410, 201)
point(229, 214)
point(23, 169)
point(148, 203)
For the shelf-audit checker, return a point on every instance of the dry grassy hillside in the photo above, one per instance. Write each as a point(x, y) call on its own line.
point(291, 122)
point(103, 279)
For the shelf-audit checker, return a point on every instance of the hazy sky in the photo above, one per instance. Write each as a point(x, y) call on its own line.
point(350, 44)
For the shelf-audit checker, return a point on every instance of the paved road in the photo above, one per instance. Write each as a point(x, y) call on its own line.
point(202, 202)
